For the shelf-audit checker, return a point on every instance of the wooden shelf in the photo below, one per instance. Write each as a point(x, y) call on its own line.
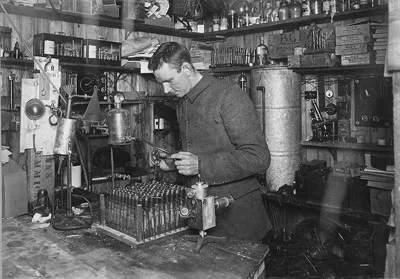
point(106, 68)
point(293, 23)
point(348, 145)
point(126, 24)
point(341, 69)
point(140, 26)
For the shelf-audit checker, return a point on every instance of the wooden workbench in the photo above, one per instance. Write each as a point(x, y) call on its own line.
point(47, 253)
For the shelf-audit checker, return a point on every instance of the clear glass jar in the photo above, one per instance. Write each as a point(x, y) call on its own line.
point(316, 7)
point(295, 9)
point(283, 11)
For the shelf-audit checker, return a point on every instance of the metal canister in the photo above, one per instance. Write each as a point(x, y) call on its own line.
point(65, 136)
point(119, 126)
point(279, 110)
point(201, 189)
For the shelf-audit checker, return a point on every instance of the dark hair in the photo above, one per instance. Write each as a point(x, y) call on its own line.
point(171, 53)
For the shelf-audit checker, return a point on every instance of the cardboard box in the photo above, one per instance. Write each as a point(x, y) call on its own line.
point(14, 194)
point(312, 60)
point(353, 29)
point(353, 39)
point(351, 49)
point(40, 172)
point(356, 59)
point(342, 168)
point(380, 197)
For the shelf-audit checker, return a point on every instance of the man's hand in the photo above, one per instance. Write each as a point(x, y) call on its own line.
point(186, 163)
point(166, 162)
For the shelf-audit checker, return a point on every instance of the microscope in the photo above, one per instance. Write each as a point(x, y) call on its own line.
point(200, 210)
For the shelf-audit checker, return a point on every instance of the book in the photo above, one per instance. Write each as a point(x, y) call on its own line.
point(378, 40)
point(384, 47)
point(381, 35)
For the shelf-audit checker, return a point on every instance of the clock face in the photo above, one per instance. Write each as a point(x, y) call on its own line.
point(86, 85)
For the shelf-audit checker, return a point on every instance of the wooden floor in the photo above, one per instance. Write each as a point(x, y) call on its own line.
point(48, 253)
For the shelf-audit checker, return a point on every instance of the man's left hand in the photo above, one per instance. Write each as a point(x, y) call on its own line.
point(186, 163)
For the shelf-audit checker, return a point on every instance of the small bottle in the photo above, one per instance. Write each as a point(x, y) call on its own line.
point(268, 12)
point(355, 4)
point(305, 8)
point(261, 54)
point(6, 53)
point(1, 50)
point(17, 51)
point(316, 7)
point(275, 11)
point(216, 23)
point(326, 6)
point(295, 9)
point(283, 11)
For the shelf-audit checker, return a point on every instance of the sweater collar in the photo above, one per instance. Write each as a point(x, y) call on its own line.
point(203, 83)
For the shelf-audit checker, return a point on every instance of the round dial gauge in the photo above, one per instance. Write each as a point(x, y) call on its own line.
point(329, 93)
point(86, 85)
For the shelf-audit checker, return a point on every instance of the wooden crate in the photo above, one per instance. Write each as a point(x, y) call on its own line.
point(380, 197)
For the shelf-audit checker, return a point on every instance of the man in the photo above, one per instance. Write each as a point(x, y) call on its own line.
point(221, 139)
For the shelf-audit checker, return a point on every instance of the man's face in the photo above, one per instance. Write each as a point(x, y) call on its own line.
point(174, 82)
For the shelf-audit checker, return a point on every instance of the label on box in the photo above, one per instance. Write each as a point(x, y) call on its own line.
point(351, 49)
point(353, 39)
point(355, 29)
point(356, 59)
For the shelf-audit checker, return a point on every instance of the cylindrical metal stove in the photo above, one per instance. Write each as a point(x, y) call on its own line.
point(276, 96)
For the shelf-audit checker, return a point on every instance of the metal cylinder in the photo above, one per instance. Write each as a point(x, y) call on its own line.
point(65, 136)
point(201, 189)
point(276, 96)
point(119, 127)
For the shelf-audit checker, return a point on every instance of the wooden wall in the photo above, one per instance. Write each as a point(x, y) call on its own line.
point(28, 26)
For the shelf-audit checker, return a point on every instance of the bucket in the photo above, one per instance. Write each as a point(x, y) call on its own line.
point(280, 118)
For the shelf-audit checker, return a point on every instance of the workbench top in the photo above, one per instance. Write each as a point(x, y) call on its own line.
point(48, 253)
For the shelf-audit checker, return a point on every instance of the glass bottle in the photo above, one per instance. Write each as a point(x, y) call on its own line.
point(355, 4)
point(224, 21)
point(268, 12)
point(232, 19)
point(326, 6)
point(261, 14)
point(316, 7)
point(1, 50)
point(6, 53)
point(305, 8)
point(283, 11)
point(295, 9)
point(275, 11)
point(17, 51)
point(261, 54)
point(216, 23)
